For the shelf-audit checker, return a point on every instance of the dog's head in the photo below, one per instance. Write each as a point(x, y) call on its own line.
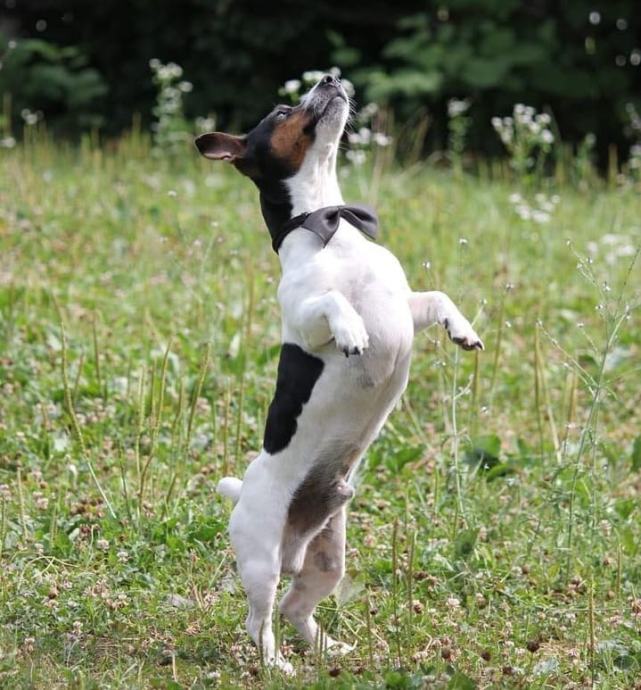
point(287, 139)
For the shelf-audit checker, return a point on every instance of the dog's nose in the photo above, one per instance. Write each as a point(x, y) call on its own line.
point(328, 79)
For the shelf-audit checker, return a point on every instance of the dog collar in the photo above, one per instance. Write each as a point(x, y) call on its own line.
point(324, 223)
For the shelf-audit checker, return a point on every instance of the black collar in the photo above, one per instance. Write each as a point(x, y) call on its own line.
point(324, 223)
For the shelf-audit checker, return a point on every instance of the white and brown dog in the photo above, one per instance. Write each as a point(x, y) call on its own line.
point(348, 321)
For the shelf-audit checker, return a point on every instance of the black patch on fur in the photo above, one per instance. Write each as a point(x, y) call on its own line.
point(298, 372)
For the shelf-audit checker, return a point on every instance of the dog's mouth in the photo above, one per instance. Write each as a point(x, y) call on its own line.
point(330, 108)
point(332, 103)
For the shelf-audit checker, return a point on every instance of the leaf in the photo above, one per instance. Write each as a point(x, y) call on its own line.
point(405, 455)
point(267, 355)
point(205, 530)
point(625, 507)
point(636, 454)
point(398, 680)
point(610, 452)
point(459, 681)
point(465, 542)
point(619, 653)
point(500, 470)
point(483, 452)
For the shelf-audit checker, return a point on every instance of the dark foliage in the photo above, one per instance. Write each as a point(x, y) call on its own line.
point(90, 65)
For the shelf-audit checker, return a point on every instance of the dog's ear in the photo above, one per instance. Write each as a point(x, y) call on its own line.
point(219, 146)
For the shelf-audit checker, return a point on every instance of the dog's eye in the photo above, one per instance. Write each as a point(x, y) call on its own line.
point(282, 114)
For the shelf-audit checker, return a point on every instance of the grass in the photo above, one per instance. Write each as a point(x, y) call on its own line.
point(495, 537)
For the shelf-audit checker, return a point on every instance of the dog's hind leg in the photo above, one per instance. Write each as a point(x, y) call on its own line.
point(256, 541)
point(322, 570)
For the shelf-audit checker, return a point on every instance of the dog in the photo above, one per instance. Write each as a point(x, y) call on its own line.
point(348, 322)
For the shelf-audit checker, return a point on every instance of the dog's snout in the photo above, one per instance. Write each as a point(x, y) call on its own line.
point(328, 79)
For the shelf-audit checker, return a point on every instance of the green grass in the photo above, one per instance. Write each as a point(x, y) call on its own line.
point(495, 537)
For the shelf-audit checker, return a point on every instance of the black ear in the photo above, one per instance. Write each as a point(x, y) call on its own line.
point(219, 146)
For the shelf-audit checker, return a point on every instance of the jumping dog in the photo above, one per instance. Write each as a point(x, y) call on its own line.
point(348, 321)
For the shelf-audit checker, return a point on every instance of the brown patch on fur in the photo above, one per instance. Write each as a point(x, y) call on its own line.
point(323, 562)
point(289, 141)
point(324, 490)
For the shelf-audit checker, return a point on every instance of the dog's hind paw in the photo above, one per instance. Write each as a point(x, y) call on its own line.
point(338, 648)
point(279, 663)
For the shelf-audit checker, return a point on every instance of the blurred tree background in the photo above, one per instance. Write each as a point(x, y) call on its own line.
point(85, 65)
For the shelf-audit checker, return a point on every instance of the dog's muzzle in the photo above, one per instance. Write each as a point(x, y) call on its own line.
point(321, 99)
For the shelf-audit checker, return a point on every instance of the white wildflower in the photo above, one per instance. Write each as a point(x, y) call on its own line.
point(456, 106)
point(312, 76)
point(292, 86)
point(349, 87)
point(205, 124)
point(369, 111)
point(453, 602)
point(356, 157)
point(365, 134)
point(381, 139)
point(539, 216)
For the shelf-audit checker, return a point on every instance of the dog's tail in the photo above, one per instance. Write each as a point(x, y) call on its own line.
point(230, 487)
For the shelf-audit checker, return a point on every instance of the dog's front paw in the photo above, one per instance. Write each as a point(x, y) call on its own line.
point(462, 333)
point(350, 334)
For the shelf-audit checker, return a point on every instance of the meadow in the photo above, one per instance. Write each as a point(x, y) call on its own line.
point(495, 538)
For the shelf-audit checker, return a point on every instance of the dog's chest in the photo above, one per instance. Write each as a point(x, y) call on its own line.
point(321, 389)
